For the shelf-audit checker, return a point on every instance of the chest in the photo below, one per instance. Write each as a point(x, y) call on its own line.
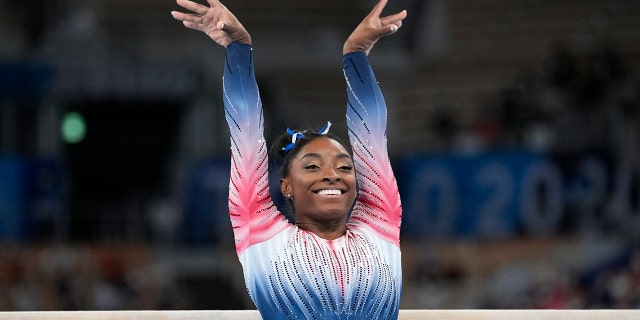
point(352, 264)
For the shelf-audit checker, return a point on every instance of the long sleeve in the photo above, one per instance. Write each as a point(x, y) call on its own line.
point(378, 204)
point(254, 217)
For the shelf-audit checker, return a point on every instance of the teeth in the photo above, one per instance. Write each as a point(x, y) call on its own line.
point(327, 192)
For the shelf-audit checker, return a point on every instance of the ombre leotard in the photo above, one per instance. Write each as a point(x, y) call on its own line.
point(292, 273)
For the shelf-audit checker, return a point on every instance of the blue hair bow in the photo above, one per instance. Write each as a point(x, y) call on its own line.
point(295, 136)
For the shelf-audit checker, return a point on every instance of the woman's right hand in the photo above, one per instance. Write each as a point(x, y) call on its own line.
point(216, 21)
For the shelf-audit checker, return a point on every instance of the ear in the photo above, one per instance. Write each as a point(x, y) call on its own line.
point(284, 187)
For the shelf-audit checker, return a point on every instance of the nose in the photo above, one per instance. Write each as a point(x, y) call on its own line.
point(330, 175)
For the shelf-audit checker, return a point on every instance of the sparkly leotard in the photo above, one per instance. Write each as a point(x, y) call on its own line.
point(289, 272)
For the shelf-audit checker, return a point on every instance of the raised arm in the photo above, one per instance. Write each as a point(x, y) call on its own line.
point(378, 204)
point(254, 217)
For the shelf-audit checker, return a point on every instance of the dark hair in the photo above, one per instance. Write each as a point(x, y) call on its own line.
point(283, 158)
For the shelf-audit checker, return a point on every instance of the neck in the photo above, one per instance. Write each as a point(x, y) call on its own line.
point(324, 230)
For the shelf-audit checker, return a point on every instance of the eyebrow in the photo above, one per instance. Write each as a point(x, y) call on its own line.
point(317, 155)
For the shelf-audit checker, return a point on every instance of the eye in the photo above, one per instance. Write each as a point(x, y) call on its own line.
point(345, 168)
point(311, 167)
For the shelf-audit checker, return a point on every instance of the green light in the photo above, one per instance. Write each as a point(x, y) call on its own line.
point(73, 127)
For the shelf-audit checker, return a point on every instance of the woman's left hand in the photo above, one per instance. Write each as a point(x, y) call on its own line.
point(372, 28)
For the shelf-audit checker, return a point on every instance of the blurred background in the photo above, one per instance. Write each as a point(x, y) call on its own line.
point(514, 132)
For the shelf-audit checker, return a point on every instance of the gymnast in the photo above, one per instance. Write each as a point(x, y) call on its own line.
point(340, 259)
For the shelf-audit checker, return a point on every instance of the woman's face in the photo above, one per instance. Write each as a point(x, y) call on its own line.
point(322, 182)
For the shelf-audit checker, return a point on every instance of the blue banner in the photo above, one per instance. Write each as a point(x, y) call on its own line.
point(488, 196)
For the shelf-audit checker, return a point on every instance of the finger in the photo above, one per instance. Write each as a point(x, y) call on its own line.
point(192, 25)
point(186, 17)
point(377, 10)
point(390, 28)
point(394, 19)
point(192, 6)
point(395, 26)
point(178, 15)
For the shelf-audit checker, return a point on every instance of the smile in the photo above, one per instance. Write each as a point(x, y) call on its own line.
point(329, 192)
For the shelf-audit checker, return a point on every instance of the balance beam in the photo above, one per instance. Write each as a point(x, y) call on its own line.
point(254, 315)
